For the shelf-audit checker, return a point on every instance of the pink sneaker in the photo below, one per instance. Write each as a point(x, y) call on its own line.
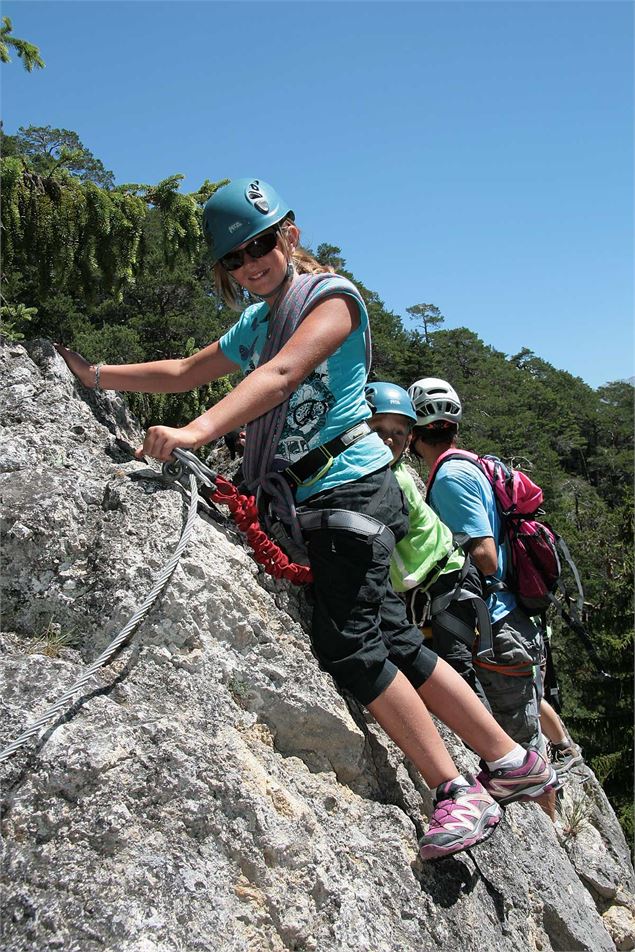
point(527, 782)
point(464, 815)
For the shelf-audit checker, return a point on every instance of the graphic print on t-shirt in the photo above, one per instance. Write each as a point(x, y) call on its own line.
point(306, 415)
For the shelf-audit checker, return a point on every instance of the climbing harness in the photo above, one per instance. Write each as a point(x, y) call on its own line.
point(261, 463)
point(245, 512)
point(315, 464)
point(124, 635)
point(422, 607)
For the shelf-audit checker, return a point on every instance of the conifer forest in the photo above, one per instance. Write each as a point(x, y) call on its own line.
point(121, 273)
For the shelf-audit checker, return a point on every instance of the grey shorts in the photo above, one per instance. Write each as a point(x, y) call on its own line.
point(515, 700)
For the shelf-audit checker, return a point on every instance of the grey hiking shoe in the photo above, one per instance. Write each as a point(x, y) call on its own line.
point(564, 756)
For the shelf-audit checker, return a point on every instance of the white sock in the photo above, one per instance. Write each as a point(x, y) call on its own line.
point(458, 779)
point(515, 758)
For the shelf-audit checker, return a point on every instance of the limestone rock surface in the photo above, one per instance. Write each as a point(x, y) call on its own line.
point(210, 789)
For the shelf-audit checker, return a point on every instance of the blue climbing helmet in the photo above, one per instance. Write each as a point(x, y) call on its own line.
point(240, 211)
point(384, 397)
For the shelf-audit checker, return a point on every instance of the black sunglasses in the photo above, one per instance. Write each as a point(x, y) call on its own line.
point(258, 247)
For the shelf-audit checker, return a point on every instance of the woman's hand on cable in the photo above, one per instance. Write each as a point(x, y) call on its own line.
point(161, 441)
point(77, 365)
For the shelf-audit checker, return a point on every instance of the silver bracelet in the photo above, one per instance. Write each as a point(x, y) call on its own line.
point(97, 373)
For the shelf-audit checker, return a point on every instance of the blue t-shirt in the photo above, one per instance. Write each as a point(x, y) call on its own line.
point(463, 498)
point(330, 400)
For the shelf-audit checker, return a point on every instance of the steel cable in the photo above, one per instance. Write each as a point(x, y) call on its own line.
point(123, 636)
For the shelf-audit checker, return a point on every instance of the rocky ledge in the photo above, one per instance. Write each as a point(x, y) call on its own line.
point(210, 789)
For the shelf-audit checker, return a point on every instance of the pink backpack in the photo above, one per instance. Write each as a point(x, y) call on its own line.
point(533, 565)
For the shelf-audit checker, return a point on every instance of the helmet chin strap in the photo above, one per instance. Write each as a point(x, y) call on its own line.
point(280, 289)
point(413, 451)
point(289, 276)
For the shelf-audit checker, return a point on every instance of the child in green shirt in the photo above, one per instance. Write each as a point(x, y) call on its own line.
point(442, 592)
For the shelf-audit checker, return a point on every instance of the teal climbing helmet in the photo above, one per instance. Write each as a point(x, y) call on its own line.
point(389, 398)
point(240, 211)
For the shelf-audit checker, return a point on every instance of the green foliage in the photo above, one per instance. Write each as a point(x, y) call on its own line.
point(13, 318)
point(49, 151)
point(28, 53)
point(330, 256)
point(429, 315)
point(68, 235)
point(63, 233)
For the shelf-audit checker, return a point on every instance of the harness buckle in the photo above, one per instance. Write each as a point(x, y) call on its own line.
point(355, 433)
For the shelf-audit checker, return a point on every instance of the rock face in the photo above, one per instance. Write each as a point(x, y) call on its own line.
point(210, 789)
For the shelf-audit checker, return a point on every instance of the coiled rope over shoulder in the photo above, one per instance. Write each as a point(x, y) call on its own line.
point(123, 636)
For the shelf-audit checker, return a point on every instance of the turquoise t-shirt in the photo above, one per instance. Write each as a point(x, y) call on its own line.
point(330, 400)
point(463, 498)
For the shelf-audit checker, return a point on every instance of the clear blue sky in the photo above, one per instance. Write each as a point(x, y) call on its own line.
point(478, 156)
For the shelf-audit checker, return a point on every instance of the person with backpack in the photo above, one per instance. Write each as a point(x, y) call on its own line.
point(441, 587)
point(304, 347)
point(462, 495)
point(463, 498)
point(428, 568)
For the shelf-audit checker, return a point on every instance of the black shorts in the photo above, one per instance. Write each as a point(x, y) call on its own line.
point(360, 632)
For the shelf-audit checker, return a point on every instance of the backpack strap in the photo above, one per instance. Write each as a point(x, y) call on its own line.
point(443, 458)
point(494, 585)
point(578, 629)
point(578, 606)
point(551, 686)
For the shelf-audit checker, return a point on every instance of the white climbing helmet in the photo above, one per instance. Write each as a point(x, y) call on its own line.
point(435, 400)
